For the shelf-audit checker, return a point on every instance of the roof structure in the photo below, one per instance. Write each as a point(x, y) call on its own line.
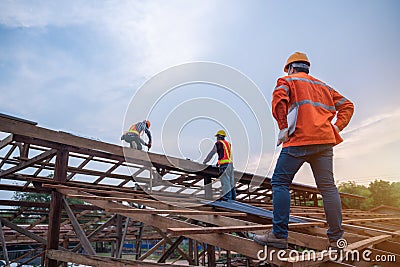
point(135, 197)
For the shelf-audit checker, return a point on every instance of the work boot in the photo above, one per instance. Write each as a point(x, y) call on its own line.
point(270, 239)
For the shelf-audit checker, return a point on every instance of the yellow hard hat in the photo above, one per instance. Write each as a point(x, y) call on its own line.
point(296, 57)
point(221, 133)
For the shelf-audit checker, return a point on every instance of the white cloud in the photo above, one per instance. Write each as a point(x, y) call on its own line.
point(115, 47)
point(150, 34)
point(370, 135)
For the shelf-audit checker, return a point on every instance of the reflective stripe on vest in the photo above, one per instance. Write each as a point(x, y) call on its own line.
point(315, 104)
point(307, 81)
point(227, 153)
point(133, 130)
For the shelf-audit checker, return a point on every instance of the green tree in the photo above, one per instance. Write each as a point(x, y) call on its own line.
point(395, 191)
point(355, 189)
point(40, 197)
point(382, 193)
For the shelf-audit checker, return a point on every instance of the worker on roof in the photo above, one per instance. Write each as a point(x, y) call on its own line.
point(225, 165)
point(307, 136)
point(132, 136)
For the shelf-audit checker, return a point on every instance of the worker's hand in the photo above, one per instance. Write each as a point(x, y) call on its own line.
point(337, 128)
point(149, 145)
point(123, 137)
point(283, 136)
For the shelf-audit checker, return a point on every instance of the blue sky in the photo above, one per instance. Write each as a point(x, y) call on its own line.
point(75, 66)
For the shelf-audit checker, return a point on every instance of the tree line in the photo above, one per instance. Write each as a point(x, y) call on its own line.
point(377, 193)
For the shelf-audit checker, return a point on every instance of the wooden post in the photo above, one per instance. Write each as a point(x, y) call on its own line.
point(78, 230)
point(164, 248)
point(43, 257)
point(112, 248)
point(171, 249)
point(203, 258)
point(66, 245)
point(3, 244)
point(228, 258)
point(210, 255)
point(315, 200)
point(60, 175)
point(190, 248)
point(119, 234)
point(196, 253)
point(121, 245)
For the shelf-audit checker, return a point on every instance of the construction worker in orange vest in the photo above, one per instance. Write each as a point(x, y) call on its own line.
point(132, 136)
point(225, 165)
point(307, 136)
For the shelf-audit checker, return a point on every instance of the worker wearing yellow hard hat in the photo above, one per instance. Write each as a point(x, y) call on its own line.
point(132, 136)
point(304, 108)
point(225, 165)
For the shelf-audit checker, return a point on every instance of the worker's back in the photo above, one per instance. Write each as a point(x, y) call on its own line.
point(317, 104)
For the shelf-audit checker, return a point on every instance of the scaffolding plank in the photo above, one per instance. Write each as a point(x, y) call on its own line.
point(231, 229)
point(174, 212)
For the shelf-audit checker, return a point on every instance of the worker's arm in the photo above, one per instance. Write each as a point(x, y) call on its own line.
point(142, 141)
point(280, 100)
point(147, 131)
point(344, 108)
point(210, 155)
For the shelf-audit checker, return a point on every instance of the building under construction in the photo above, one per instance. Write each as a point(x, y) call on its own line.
point(113, 206)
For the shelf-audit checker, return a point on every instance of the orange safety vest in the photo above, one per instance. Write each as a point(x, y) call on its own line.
point(227, 158)
point(133, 130)
point(318, 104)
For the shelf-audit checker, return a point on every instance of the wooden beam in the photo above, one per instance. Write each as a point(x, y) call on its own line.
point(371, 220)
point(6, 157)
point(210, 255)
point(44, 204)
point(96, 231)
point(321, 257)
point(22, 231)
point(121, 244)
point(169, 241)
point(3, 245)
point(154, 248)
point(131, 199)
point(368, 242)
point(100, 261)
point(353, 227)
point(78, 230)
point(229, 242)
point(53, 232)
point(231, 229)
point(175, 212)
point(6, 141)
point(29, 162)
point(171, 249)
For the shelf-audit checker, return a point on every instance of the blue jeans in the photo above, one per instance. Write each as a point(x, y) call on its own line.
point(289, 162)
point(227, 177)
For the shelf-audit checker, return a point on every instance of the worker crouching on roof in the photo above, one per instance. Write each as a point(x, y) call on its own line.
point(312, 141)
point(225, 165)
point(132, 136)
